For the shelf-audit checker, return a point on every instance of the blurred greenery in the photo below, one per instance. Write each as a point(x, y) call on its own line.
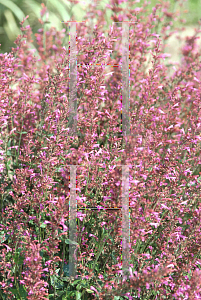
point(13, 11)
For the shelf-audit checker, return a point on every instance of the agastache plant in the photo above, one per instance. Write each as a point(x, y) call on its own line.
point(133, 161)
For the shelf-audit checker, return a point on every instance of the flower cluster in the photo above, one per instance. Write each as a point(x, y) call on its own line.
point(162, 150)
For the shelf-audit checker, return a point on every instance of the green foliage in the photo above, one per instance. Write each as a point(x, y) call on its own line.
point(20, 294)
point(13, 11)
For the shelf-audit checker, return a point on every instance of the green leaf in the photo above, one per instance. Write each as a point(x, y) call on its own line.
point(19, 259)
point(89, 291)
point(71, 293)
point(60, 293)
point(199, 179)
point(77, 281)
point(23, 293)
point(8, 153)
point(83, 283)
point(14, 8)
point(51, 134)
point(78, 295)
point(10, 140)
point(67, 241)
point(3, 239)
point(43, 225)
point(34, 7)
point(56, 281)
point(58, 169)
point(14, 291)
point(117, 159)
point(62, 9)
point(12, 30)
point(91, 195)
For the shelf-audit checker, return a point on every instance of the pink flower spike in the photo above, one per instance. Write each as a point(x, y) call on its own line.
point(93, 289)
point(162, 112)
point(164, 206)
point(8, 248)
